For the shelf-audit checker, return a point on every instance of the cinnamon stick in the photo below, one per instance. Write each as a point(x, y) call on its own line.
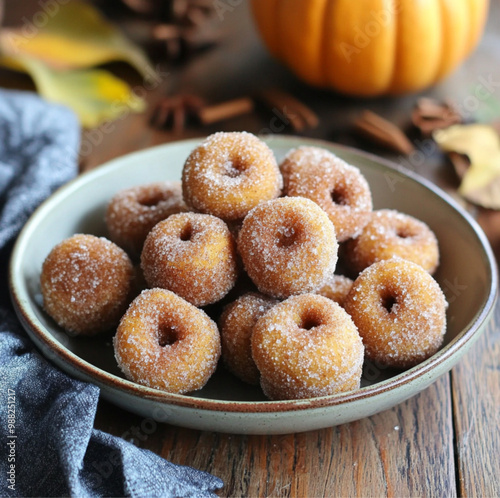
point(225, 110)
point(296, 112)
point(383, 132)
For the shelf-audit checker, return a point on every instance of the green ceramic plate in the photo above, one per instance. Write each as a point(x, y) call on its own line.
point(467, 275)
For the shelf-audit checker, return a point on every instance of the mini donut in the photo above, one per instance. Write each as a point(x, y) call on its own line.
point(400, 312)
point(86, 284)
point(236, 325)
point(391, 233)
point(193, 255)
point(307, 346)
point(288, 246)
point(229, 174)
point(336, 288)
point(133, 212)
point(166, 343)
point(337, 187)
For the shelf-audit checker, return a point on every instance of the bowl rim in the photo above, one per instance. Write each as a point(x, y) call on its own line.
point(93, 374)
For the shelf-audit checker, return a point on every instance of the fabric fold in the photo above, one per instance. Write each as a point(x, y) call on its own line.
point(50, 446)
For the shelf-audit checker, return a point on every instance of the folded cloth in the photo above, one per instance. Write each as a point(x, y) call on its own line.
point(49, 445)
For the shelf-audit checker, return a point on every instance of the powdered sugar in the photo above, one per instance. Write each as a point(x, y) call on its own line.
point(337, 187)
point(236, 326)
point(288, 246)
point(86, 283)
point(181, 366)
point(132, 213)
point(229, 174)
point(391, 233)
point(193, 255)
point(336, 288)
point(400, 312)
point(307, 346)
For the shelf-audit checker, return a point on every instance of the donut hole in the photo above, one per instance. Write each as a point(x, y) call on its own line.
point(151, 200)
point(187, 232)
point(339, 196)
point(287, 236)
point(309, 320)
point(404, 232)
point(388, 301)
point(167, 336)
point(234, 168)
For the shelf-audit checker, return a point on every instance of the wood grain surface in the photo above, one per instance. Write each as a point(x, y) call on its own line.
point(405, 451)
point(476, 413)
point(443, 442)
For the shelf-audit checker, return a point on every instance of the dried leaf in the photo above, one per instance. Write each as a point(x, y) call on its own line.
point(94, 94)
point(59, 57)
point(76, 37)
point(481, 144)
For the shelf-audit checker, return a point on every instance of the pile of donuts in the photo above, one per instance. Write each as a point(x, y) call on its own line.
point(239, 261)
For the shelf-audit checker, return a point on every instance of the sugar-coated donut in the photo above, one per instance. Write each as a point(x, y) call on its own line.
point(337, 187)
point(391, 233)
point(288, 246)
point(133, 212)
point(336, 288)
point(400, 312)
point(193, 255)
point(229, 174)
point(307, 346)
point(166, 343)
point(86, 284)
point(236, 325)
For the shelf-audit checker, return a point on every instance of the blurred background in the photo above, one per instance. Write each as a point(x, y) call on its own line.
point(155, 71)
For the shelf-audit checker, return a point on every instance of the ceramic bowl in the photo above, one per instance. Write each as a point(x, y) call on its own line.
point(467, 275)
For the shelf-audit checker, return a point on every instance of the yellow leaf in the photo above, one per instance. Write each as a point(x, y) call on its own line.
point(478, 141)
point(481, 143)
point(77, 36)
point(94, 94)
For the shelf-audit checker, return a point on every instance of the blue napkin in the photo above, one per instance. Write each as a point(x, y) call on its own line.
point(49, 445)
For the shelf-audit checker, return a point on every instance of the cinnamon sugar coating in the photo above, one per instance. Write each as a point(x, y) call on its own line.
point(307, 346)
point(400, 312)
point(86, 284)
point(336, 288)
point(166, 343)
point(337, 187)
point(229, 174)
point(391, 233)
point(236, 325)
point(288, 246)
point(133, 212)
point(185, 233)
point(193, 255)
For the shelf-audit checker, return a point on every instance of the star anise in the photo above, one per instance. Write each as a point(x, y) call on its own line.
point(173, 112)
point(430, 115)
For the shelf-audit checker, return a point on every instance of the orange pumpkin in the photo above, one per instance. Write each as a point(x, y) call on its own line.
point(371, 47)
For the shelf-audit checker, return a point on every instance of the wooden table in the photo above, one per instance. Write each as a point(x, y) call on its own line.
point(443, 442)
